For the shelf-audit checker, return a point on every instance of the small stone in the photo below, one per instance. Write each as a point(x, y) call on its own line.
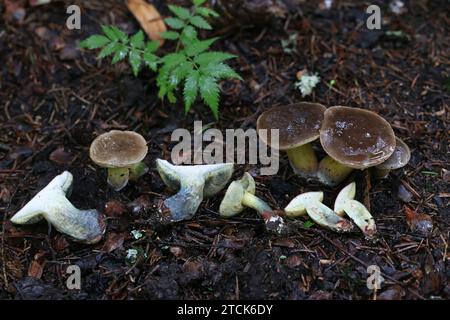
point(176, 251)
point(446, 175)
point(392, 293)
point(140, 205)
point(293, 261)
point(70, 52)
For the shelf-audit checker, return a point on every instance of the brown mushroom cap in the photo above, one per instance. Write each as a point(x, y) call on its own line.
point(116, 149)
point(298, 123)
point(356, 138)
point(399, 158)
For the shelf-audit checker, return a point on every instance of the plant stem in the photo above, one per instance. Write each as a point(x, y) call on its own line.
point(182, 31)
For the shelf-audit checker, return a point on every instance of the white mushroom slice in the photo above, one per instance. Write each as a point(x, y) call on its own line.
point(348, 193)
point(325, 217)
point(52, 205)
point(361, 217)
point(297, 206)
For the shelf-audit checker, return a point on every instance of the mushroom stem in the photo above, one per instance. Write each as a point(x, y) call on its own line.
point(331, 172)
point(184, 204)
point(380, 173)
point(51, 204)
point(252, 201)
point(303, 160)
point(138, 170)
point(118, 178)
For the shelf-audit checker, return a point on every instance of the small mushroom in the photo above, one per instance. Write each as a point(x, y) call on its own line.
point(121, 152)
point(241, 194)
point(298, 126)
point(397, 160)
point(347, 193)
point(353, 138)
point(193, 183)
point(51, 204)
point(325, 217)
point(297, 206)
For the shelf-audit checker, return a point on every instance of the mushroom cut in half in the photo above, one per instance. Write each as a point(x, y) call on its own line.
point(298, 125)
point(241, 194)
point(397, 160)
point(121, 152)
point(353, 138)
point(192, 184)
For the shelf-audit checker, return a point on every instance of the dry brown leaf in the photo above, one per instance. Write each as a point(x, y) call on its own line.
point(36, 267)
point(113, 242)
point(115, 208)
point(293, 261)
point(60, 156)
point(35, 270)
point(148, 17)
point(60, 243)
point(283, 242)
point(14, 11)
point(418, 222)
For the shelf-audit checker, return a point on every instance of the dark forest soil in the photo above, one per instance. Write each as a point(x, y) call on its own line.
point(54, 96)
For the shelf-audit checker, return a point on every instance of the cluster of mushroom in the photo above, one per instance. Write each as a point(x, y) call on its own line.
point(241, 194)
point(193, 183)
point(353, 138)
point(121, 152)
point(311, 203)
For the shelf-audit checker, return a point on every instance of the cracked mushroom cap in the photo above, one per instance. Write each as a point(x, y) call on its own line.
point(298, 124)
point(232, 201)
point(399, 158)
point(356, 138)
point(118, 149)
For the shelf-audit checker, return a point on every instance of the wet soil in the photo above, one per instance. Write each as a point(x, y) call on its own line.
point(55, 99)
